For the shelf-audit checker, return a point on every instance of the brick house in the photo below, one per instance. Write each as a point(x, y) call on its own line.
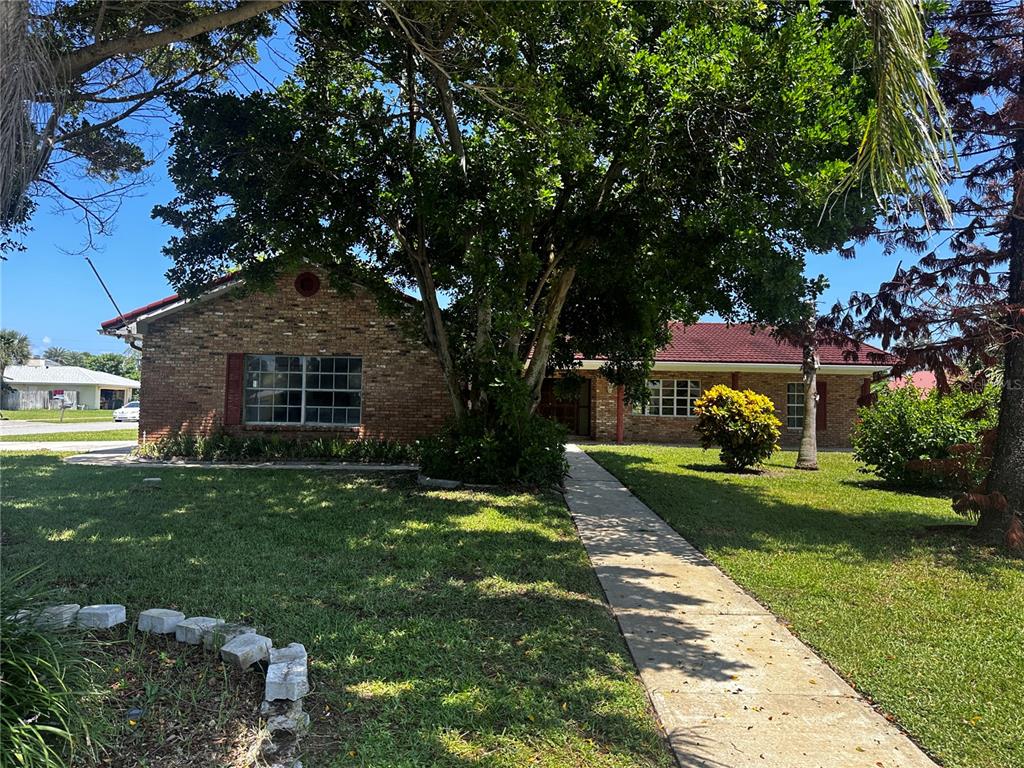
point(303, 361)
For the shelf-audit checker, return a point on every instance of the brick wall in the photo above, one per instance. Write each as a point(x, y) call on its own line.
point(184, 362)
point(841, 408)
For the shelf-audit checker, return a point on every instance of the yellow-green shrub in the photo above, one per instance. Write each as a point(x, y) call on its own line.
point(743, 424)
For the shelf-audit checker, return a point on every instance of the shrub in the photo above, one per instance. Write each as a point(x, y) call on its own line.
point(932, 440)
point(743, 424)
point(44, 682)
point(224, 447)
point(532, 452)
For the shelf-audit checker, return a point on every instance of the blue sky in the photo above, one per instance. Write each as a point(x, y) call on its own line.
point(49, 293)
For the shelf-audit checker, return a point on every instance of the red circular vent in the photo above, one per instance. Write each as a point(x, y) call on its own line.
point(307, 284)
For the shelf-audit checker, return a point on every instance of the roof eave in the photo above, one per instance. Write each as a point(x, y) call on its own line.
point(136, 327)
point(847, 369)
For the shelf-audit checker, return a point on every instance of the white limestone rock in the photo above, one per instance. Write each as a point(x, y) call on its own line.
point(286, 716)
point(216, 636)
point(191, 630)
point(57, 616)
point(160, 621)
point(101, 616)
point(245, 650)
point(291, 652)
point(436, 482)
point(288, 673)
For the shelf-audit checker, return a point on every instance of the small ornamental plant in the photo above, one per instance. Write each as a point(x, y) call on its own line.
point(912, 438)
point(742, 424)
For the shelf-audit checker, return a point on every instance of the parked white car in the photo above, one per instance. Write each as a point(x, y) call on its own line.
point(127, 412)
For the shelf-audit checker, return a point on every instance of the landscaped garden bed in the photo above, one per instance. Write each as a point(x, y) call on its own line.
point(443, 628)
point(923, 620)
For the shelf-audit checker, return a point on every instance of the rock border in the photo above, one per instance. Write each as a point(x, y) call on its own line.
point(437, 482)
point(286, 669)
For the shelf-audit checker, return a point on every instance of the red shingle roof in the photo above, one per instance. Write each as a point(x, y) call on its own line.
point(740, 343)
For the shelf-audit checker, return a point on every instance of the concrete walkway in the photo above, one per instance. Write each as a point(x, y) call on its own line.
point(731, 685)
point(12, 427)
point(104, 447)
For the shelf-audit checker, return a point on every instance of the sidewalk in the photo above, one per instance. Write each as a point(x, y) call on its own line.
point(12, 427)
point(100, 447)
point(731, 685)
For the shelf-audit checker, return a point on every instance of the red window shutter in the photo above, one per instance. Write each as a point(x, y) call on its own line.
point(233, 389)
point(821, 414)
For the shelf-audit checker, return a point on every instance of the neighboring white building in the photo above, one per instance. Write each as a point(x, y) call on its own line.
point(38, 384)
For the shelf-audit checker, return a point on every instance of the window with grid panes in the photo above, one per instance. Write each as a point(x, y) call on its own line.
point(794, 406)
point(672, 397)
point(293, 389)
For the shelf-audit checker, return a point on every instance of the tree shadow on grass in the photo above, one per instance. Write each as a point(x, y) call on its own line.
point(443, 628)
point(715, 509)
point(720, 469)
point(877, 484)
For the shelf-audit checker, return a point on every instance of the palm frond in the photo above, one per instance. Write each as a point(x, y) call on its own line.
point(908, 143)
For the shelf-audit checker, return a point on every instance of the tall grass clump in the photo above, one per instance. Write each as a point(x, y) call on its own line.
point(45, 682)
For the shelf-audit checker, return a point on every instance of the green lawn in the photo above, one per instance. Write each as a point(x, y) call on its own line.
point(44, 414)
point(52, 437)
point(444, 628)
point(926, 623)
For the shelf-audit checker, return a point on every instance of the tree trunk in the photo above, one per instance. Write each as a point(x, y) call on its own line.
point(807, 458)
point(482, 349)
point(1007, 473)
point(545, 336)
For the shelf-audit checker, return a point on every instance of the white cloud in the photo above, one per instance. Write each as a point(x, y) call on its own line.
point(47, 339)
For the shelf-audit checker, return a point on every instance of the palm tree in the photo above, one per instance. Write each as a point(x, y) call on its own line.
point(908, 142)
point(803, 333)
point(14, 350)
point(60, 355)
point(807, 456)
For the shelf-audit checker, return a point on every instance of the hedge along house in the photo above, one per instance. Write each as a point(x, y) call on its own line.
point(304, 361)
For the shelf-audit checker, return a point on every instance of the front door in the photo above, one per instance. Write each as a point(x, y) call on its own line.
point(571, 409)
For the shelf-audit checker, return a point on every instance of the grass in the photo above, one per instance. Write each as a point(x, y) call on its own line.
point(444, 628)
point(53, 437)
point(166, 704)
point(925, 622)
point(44, 414)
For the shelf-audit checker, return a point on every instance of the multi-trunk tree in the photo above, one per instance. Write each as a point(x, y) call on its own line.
point(959, 311)
point(548, 178)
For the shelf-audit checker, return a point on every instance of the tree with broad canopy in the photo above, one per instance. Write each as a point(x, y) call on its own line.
point(551, 179)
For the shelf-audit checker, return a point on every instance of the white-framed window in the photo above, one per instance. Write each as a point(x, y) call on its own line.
point(672, 397)
point(795, 406)
point(295, 389)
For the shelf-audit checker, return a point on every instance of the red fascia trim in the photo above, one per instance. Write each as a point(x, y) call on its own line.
point(161, 303)
point(158, 304)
